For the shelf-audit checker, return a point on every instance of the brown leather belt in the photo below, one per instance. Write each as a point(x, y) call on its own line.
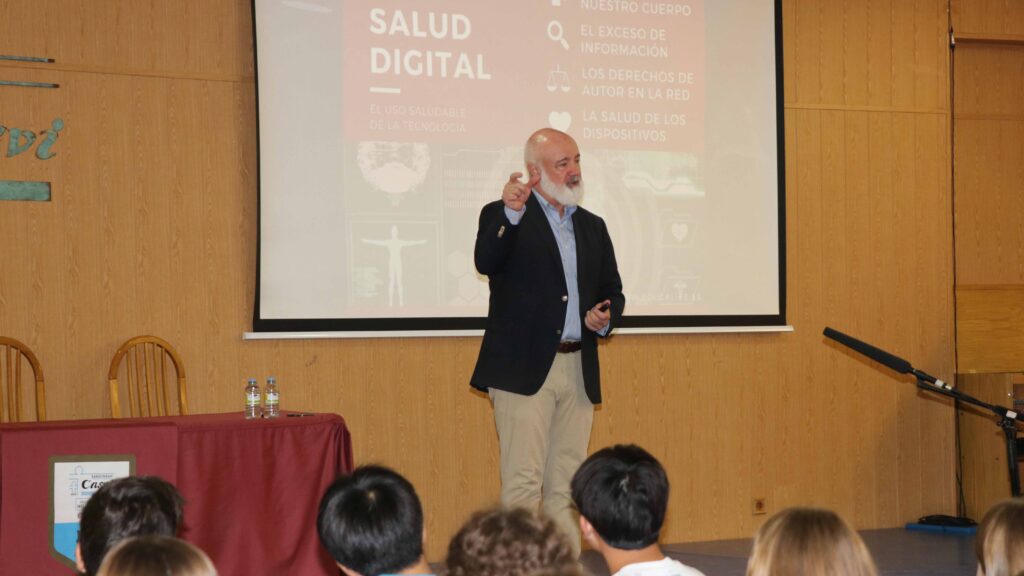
point(569, 346)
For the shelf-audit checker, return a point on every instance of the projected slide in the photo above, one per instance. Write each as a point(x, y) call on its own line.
point(386, 125)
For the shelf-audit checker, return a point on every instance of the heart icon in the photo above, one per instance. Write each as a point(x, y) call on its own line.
point(560, 120)
point(680, 230)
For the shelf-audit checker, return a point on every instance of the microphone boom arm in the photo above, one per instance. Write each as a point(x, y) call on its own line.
point(1007, 418)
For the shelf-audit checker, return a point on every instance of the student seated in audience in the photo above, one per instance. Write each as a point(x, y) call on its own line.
point(156, 556)
point(801, 541)
point(999, 544)
point(122, 508)
point(621, 494)
point(371, 522)
point(510, 542)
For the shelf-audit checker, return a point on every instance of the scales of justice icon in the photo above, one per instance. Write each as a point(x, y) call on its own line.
point(558, 79)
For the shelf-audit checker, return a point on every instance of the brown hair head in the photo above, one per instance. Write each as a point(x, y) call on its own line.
point(156, 556)
point(508, 542)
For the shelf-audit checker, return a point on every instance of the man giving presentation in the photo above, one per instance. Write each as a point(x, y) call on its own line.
point(555, 288)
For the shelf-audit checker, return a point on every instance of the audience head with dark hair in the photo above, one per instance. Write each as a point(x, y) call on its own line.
point(122, 508)
point(621, 493)
point(999, 544)
point(509, 542)
point(371, 522)
point(800, 541)
point(156, 556)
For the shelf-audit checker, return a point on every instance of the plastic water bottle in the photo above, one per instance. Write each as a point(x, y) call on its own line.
point(271, 399)
point(252, 400)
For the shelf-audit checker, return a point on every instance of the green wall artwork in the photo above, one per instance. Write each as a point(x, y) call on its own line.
point(20, 141)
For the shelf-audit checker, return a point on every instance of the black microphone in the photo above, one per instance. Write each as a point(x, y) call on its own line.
point(895, 362)
point(882, 357)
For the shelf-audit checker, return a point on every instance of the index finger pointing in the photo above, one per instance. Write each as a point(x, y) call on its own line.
point(515, 176)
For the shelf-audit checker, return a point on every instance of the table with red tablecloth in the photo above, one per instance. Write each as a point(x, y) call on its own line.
point(251, 487)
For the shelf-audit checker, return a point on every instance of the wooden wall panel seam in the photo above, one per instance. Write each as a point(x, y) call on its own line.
point(856, 108)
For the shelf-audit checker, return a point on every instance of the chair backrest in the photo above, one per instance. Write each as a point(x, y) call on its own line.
point(13, 355)
point(147, 360)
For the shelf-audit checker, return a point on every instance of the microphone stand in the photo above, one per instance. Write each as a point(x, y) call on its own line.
point(1007, 418)
point(1007, 421)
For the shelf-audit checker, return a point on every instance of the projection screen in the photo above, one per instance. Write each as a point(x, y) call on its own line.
point(385, 126)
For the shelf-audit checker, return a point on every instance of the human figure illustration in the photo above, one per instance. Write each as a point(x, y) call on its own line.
point(394, 246)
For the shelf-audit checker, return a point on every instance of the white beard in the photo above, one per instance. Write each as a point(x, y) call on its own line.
point(563, 194)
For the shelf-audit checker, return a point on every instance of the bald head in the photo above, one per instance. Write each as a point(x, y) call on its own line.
point(553, 157)
point(540, 140)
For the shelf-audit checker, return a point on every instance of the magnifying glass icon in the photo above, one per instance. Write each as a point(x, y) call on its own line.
point(557, 34)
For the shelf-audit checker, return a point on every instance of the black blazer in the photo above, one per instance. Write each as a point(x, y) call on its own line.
point(528, 296)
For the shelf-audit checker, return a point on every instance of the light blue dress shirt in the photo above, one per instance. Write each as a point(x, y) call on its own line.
point(565, 237)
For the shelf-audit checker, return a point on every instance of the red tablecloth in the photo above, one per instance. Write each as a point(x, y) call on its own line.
point(251, 486)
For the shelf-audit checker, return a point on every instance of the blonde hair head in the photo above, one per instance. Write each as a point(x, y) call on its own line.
point(800, 541)
point(156, 556)
point(999, 544)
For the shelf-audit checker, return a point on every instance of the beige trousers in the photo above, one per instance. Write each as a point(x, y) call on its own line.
point(543, 439)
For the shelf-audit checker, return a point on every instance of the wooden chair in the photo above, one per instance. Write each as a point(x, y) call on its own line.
point(12, 355)
point(146, 360)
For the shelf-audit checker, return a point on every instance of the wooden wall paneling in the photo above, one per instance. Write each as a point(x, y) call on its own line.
point(988, 17)
point(225, 198)
point(931, 282)
point(126, 212)
point(152, 153)
point(727, 482)
point(926, 149)
point(834, 238)
point(880, 53)
point(989, 164)
point(896, 316)
point(806, 39)
point(863, 54)
point(852, 209)
point(929, 326)
point(990, 328)
point(780, 413)
point(830, 63)
point(904, 39)
point(931, 64)
point(856, 88)
point(23, 233)
point(990, 243)
point(976, 240)
point(932, 203)
point(789, 43)
point(185, 38)
point(36, 238)
point(988, 154)
point(989, 81)
point(759, 403)
point(813, 436)
point(880, 244)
